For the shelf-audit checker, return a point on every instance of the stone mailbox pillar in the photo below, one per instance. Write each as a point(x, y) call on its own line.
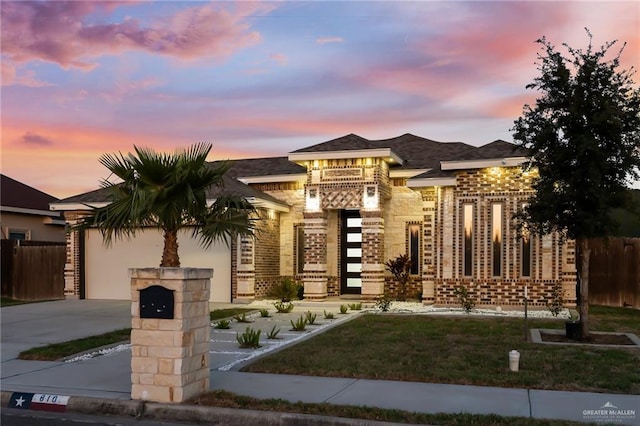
point(170, 333)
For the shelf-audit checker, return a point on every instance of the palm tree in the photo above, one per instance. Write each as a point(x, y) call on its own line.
point(169, 192)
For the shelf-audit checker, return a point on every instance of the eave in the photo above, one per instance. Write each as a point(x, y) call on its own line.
point(385, 153)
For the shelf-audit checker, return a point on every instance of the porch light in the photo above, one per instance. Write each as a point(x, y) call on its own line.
point(312, 200)
point(370, 197)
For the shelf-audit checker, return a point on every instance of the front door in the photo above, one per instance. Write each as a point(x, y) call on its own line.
point(351, 253)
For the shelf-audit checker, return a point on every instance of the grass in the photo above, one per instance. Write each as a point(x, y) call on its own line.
point(468, 351)
point(228, 313)
point(7, 301)
point(229, 400)
point(60, 350)
point(57, 351)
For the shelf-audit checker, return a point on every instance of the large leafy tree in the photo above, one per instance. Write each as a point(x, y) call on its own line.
point(583, 136)
point(169, 192)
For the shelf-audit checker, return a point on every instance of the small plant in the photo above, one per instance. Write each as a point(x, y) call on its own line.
point(222, 324)
point(273, 334)
point(283, 307)
point(264, 313)
point(249, 339)
point(286, 291)
point(344, 309)
point(242, 318)
point(328, 315)
point(466, 299)
point(300, 324)
point(383, 302)
point(355, 306)
point(400, 268)
point(310, 317)
point(555, 302)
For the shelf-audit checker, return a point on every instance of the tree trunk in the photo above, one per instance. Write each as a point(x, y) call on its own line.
point(170, 256)
point(583, 307)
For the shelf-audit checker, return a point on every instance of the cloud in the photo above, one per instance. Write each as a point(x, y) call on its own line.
point(325, 40)
point(279, 58)
point(11, 76)
point(60, 32)
point(32, 138)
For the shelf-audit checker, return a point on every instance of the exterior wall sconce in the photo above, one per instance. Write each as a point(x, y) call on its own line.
point(313, 200)
point(370, 197)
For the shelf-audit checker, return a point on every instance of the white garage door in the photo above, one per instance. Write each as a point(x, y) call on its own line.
point(106, 268)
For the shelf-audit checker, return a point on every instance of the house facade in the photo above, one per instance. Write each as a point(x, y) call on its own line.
point(332, 214)
point(25, 214)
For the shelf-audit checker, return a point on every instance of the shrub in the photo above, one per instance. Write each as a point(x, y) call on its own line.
point(344, 309)
point(273, 334)
point(355, 306)
point(555, 302)
point(264, 313)
point(383, 302)
point(283, 307)
point(242, 318)
point(222, 324)
point(328, 315)
point(311, 318)
point(465, 297)
point(400, 268)
point(249, 339)
point(299, 325)
point(285, 291)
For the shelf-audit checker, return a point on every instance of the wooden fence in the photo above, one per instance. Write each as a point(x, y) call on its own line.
point(614, 272)
point(32, 270)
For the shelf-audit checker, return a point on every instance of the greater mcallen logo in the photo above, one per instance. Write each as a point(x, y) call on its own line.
point(609, 413)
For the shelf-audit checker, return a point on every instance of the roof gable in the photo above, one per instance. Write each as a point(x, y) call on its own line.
point(17, 194)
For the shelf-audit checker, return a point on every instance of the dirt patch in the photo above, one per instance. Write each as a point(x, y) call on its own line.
point(593, 339)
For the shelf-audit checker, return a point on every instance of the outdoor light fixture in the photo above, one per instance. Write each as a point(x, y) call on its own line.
point(313, 200)
point(370, 198)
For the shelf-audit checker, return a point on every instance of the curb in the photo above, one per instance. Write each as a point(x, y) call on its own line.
point(144, 410)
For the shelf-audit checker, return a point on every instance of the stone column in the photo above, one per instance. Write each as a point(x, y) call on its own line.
point(569, 273)
point(372, 254)
point(170, 357)
point(315, 255)
point(246, 269)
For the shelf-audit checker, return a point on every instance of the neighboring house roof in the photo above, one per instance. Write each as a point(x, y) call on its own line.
point(17, 197)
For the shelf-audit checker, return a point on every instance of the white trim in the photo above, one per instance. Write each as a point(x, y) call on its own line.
point(27, 211)
point(406, 173)
point(481, 164)
point(273, 178)
point(265, 204)
point(434, 181)
point(386, 153)
point(77, 206)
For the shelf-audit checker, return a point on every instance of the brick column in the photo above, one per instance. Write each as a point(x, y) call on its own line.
point(568, 273)
point(246, 269)
point(315, 255)
point(170, 357)
point(372, 254)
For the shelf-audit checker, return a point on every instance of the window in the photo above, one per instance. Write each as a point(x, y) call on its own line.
point(19, 234)
point(467, 242)
point(413, 231)
point(496, 239)
point(525, 253)
point(525, 250)
point(299, 250)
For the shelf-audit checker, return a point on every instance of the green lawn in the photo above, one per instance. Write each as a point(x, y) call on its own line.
point(229, 400)
point(464, 350)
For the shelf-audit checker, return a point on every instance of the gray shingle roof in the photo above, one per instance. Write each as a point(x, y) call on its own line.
point(417, 153)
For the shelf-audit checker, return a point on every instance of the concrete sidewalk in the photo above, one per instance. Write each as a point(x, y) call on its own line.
point(102, 384)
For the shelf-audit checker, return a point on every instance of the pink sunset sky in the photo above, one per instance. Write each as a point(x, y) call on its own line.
point(81, 78)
